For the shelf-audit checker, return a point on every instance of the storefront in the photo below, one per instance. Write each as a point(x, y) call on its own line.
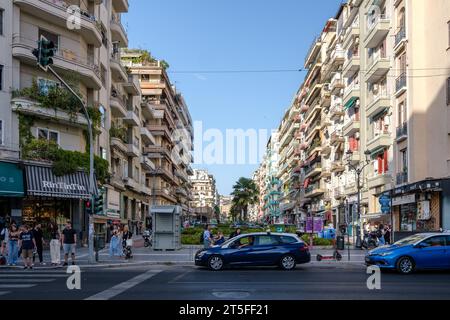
point(51, 198)
point(11, 192)
point(420, 207)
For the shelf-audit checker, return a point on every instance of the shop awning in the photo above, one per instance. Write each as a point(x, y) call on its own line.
point(350, 103)
point(41, 181)
point(11, 180)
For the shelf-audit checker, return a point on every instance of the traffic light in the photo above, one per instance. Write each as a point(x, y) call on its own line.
point(45, 52)
point(99, 201)
point(88, 207)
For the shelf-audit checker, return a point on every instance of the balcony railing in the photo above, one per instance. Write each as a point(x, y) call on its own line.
point(402, 131)
point(402, 177)
point(400, 82)
point(372, 21)
point(401, 35)
point(311, 168)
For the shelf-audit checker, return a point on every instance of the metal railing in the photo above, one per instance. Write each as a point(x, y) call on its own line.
point(400, 82)
point(401, 35)
point(402, 130)
point(373, 21)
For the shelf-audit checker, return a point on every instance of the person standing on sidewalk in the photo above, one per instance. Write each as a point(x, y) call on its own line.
point(55, 246)
point(69, 242)
point(38, 236)
point(13, 246)
point(207, 237)
point(4, 237)
point(127, 235)
point(27, 243)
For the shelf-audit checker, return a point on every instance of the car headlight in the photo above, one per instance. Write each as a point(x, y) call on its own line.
point(201, 254)
point(384, 254)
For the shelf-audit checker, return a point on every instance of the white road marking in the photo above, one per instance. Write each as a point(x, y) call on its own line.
point(16, 286)
point(18, 275)
point(124, 286)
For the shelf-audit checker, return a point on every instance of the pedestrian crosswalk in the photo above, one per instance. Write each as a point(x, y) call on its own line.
point(13, 280)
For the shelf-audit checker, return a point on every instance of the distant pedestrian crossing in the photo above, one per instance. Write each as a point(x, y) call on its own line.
point(11, 281)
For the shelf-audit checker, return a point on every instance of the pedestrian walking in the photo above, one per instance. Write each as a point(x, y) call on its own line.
point(114, 245)
point(207, 237)
point(28, 244)
point(127, 242)
point(38, 236)
point(387, 235)
point(55, 244)
point(4, 237)
point(13, 245)
point(69, 242)
point(380, 235)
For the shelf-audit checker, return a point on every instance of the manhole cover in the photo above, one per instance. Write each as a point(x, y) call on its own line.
point(231, 294)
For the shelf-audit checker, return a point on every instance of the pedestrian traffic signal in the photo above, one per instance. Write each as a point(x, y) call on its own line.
point(88, 207)
point(44, 52)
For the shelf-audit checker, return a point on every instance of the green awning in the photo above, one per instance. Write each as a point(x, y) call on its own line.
point(350, 103)
point(11, 180)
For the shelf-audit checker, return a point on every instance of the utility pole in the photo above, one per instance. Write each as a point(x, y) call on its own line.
point(91, 164)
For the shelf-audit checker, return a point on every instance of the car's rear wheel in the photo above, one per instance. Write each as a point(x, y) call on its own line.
point(287, 262)
point(405, 265)
point(215, 263)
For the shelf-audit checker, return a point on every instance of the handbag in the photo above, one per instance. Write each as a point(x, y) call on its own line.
point(129, 242)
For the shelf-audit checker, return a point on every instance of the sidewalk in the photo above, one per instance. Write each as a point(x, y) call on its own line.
point(185, 256)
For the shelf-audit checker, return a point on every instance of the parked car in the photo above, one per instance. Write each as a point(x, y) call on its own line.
point(417, 252)
point(256, 249)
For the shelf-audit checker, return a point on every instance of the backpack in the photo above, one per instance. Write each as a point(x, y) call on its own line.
point(201, 237)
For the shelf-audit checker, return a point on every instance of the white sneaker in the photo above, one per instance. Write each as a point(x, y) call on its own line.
point(43, 264)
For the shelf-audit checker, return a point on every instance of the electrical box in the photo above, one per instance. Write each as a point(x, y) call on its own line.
point(166, 227)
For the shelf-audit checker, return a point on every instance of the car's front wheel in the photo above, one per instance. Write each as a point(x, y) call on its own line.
point(405, 265)
point(287, 262)
point(215, 263)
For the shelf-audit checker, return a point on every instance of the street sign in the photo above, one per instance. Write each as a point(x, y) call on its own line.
point(385, 202)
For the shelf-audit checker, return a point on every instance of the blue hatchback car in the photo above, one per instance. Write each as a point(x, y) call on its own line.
point(417, 252)
point(256, 249)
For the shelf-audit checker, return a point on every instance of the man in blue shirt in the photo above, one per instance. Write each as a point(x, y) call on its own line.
point(207, 238)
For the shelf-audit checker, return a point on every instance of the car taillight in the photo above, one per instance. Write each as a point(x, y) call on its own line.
point(304, 248)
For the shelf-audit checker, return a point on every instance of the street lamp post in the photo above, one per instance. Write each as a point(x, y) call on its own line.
point(359, 170)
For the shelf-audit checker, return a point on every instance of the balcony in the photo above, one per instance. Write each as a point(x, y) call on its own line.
point(312, 112)
point(314, 128)
point(325, 96)
point(337, 138)
point(147, 163)
point(351, 126)
point(118, 72)
point(312, 52)
point(146, 190)
point(118, 33)
point(131, 119)
point(337, 56)
point(117, 104)
point(313, 170)
point(352, 65)
point(402, 132)
point(337, 84)
point(351, 34)
point(166, 194)
point(133, 149)
point(339, 192)
point(120, 5)
point(314, 191)
point(65, 61)
point(379, 180)
point(402, 178)
point(326, 171)
point(336, 112)
point(147, 136)
point(377, 29)
point(119, 145)
point(354, 157)
point(337, 166)
point(313, 92)
point(56, 12)
point(378, 103)
point(400, 84)
point(132, 86)
point(400, 40)
point(351, 94)
point(378, 67)
point(132, 184)
point(381, 141)
point(350, 188)
point(155, 152)
point(325, 122)
point(32, 108)
point(304, 107)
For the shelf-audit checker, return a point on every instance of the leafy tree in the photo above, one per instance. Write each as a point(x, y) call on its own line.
point(245, 193)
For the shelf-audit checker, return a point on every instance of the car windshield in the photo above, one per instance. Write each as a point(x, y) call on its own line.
point(411, 239)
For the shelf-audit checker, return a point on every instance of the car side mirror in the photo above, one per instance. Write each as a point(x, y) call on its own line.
point(421, 245)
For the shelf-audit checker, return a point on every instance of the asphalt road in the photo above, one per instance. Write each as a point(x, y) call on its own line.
point(313, 281)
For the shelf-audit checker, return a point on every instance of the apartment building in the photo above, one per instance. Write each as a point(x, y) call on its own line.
point(205, 195)
point(166, 126)
point(225, 204)
point(41, 112)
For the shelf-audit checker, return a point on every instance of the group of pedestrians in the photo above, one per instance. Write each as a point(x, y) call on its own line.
point(209, 239)
point(119, 245)
point(28, 243)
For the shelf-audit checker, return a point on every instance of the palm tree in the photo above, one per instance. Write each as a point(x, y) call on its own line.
point(245, 193)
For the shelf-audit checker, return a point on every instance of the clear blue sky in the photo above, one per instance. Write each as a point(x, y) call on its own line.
point(199, 35)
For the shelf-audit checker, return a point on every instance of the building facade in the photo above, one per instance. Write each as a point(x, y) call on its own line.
point(204, 195)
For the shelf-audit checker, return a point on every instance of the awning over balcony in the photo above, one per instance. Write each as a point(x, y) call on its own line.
point(11, 180)
point(42, 182)
point(350, 103)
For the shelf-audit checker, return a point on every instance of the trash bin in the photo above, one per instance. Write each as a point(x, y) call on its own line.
point(340, 242)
